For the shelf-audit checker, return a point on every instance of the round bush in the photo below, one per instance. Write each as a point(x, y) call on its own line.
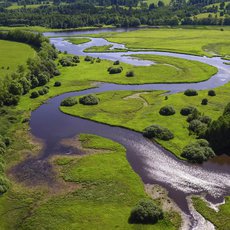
point(156, 131)
point(190, 92)
point(41, 92)
point(130, 74)
point(34, 94)
point(198, 152)
point(117, 62)
point(145, 212)
point(204, 101)
point(113, 70)
point(57, 83)
point(187, 110)
point(211, 93)
point(69, 101)
point(88, 58)
point(167, 111)
point(89, 100)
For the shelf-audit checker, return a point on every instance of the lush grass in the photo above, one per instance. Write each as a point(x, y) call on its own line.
point(101, 191)
point(220, 219)
point(12, 55)
point(180, 40)
point(167, 69)
point(78, 41)
point(134, 114)
point(95, 49)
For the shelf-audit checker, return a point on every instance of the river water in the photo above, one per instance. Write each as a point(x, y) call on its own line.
point(151, 162)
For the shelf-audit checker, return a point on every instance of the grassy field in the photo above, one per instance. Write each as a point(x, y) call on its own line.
point(220, 219)
point(12, 55)
point(167, 69)
point(78, 41)
point(97, 190)
point(142, 110)
point(191, 41)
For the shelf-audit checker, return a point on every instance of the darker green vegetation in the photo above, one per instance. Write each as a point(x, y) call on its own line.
point(211, 93)
point(204, 101)
point(115, 70)
point(69, 61)
point(198, 151)
point(69, 101)
point(190, 92)
point(40, 69)
point(57, 83)
point(187, 110)
point(167, 111)
point(72, 14)
point(156, 131)
point(130, 74)
point(89, 100)
point(145, 212)
point(218, 133)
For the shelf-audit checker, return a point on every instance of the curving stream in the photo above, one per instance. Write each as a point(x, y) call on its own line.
point(149, 160)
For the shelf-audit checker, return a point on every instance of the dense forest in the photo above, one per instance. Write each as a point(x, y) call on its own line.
point(120, 13)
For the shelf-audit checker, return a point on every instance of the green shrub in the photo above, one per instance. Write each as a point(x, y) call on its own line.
point(34, 94)
point(156, 131)
point(190, 92)
point(145, 212)
point(4, 184)
point(130, 74)
point(117, 62)
point(69, 101)
point(227, 110)
point(211, 93)
point(198, 151)
point(113, 70)
point(194, 115)
point(89, 100)
point(57, 83)
point(167, 111)
point(88, 58)
point(187, 110)
point(204, 101)
point(205, 119)
point(197, 127)
point(41, 92)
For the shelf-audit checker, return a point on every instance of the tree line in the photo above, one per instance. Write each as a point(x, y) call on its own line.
point(40, 68)
point(119, 13)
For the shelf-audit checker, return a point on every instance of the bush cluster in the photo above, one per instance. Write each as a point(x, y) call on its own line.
point(156, 131)
point(130, 74)
point(89, 100)
point(69, 61)
point(190, 92)
point(187, 110)
point(40, 92)
point(145, 212)
point(198, 152)
point(115, 70)
point(167, 111)
point(69, 101)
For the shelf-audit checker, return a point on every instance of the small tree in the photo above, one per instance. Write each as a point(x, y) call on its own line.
point(190, 92)
point(204, 101)
point(145, 212)
point(57, 83)
point(34, 94)
point(89, 100)
point(167, 111)
point(211, 93)
point(130, 74)
point(69, 101)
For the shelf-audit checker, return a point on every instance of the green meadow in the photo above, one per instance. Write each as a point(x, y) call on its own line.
point(12, 55)
point(91, 191)
point(78, 41)
point(181, 40)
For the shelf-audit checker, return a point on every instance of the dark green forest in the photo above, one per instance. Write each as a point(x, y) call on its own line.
point(119, 13)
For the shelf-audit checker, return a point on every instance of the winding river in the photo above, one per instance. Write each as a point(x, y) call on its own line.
point(152, 163)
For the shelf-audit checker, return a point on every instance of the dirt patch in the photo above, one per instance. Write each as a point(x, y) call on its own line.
point(168, 205)
point(137, 96)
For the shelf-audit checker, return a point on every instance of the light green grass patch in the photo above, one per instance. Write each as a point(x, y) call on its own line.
point(78, 41)
point(12, 55)
point(178, 40)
